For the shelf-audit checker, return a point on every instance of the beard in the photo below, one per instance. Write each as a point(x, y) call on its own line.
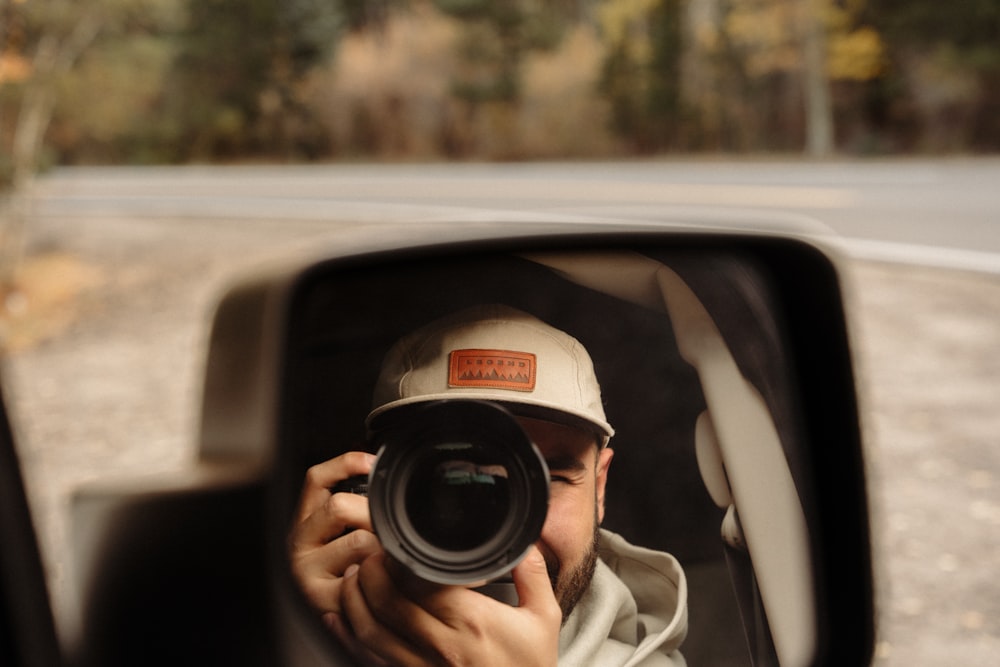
point(570, 585)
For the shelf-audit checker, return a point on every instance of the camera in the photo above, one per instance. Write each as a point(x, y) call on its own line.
point(458, 493)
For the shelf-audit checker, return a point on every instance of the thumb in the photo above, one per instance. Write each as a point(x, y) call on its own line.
point(531, 580)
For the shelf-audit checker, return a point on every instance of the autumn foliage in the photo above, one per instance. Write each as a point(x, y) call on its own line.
point(154, 81)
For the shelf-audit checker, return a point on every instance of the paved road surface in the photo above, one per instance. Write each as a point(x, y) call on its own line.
point(952, 205)
point(106, 356)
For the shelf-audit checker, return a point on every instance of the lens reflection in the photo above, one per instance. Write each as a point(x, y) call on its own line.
point(457, 500)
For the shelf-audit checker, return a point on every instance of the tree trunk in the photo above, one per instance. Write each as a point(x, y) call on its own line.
point(819, 109)
point(53, 56)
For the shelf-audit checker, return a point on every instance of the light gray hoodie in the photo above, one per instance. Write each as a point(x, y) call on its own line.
point(633, 613)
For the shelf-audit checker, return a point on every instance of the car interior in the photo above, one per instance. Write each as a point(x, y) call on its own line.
point(340, 328)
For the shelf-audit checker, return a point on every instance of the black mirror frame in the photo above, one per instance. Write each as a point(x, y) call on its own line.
point(807, 288)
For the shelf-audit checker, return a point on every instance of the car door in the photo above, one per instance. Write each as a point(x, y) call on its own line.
point(27, 630)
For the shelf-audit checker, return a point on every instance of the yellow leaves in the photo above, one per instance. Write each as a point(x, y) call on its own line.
point(856, 56)
point(624, 24)
point(766, 33)
point(620, 18)
point(14, 68)
point(762, 25)
point(769, 36)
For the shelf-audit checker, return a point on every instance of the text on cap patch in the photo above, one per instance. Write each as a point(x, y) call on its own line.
point(496, 369)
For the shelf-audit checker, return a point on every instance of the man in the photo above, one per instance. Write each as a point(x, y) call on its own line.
point(586, 597)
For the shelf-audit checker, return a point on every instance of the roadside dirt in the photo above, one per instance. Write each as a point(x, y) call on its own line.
point(927, 344)
point(104, 355)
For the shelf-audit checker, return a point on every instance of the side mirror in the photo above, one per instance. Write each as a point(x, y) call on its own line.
point(725, 366)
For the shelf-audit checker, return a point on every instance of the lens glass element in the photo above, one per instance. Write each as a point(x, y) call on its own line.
point(458, 496)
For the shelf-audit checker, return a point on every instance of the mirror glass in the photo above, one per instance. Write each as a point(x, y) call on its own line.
point(688, 347)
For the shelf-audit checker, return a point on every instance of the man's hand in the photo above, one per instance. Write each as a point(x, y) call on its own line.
point(320, 550)
point(386, 616)
point(389, 617)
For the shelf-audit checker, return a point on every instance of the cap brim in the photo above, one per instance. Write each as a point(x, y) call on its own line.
point(380, 416)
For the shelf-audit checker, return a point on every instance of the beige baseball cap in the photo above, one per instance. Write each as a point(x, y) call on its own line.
point(494, 353)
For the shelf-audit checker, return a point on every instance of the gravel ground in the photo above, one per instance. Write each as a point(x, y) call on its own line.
point(927, 350)
point(106, 342)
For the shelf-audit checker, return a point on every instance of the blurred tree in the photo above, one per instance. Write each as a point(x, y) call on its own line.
point(943, 73)
point(818, 106)
point(221, 69)
point(51, 42)
point(14, 68)
point(51, 38)
point(490, 54)
point(107, 107)
point(43, 42)
point(779, 59)
point(233, 88)
point(365, 14)
point(641, 75)
point(307, 34)
point(497, 37)
point(972, 26)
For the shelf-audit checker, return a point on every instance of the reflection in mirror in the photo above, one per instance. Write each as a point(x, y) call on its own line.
point(687, 348)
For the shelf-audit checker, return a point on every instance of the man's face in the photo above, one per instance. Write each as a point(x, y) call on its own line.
point(576, 505)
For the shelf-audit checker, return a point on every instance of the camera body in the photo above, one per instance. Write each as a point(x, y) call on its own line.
point(458, 493)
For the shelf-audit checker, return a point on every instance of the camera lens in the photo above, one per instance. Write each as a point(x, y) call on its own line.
point(457, 496)
point(459, 493)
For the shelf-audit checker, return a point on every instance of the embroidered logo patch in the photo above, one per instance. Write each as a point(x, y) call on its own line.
point(497, 369)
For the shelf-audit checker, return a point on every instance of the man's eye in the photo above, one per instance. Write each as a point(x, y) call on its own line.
point(560, 479)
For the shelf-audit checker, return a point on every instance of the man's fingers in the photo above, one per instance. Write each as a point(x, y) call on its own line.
point(337, 625)
point(323, 593)
point(320, 477)
point(319, 570)
point(534, 588)
point(330, 519)
point(332, 559)
point(393, 607)
point(367, 629)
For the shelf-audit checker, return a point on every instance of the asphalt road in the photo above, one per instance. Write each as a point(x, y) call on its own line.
point(122, 268)
point(945, 212)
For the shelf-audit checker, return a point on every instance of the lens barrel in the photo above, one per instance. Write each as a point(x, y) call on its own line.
point(459, 493)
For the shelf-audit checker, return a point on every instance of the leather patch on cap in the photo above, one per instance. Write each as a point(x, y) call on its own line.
point(495, 369)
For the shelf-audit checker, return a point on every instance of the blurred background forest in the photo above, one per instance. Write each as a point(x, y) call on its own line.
point(172, 81)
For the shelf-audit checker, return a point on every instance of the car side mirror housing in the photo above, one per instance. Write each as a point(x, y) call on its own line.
point(725, 364)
